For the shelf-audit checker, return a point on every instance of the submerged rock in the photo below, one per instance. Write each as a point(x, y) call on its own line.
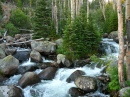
point(10, 91)
point(29, 78)
point(76, 92)
point(86, 83)
point(23, 69)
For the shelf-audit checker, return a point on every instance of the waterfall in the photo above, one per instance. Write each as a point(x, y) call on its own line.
point(58, 87)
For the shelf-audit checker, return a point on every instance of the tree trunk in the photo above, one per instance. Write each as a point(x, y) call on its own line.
point(121, 44)
point(102, 7)
point(87, 10)
point(114, 5)
point(73, 9)
point(128, 38)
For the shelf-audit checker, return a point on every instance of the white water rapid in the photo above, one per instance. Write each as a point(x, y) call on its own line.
point(58, 87)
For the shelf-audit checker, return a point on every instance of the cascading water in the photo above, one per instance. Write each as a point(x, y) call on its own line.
point(58, 87)
point(111, 48)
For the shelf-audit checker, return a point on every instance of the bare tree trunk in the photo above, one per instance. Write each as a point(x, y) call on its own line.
point(114, 5)
point(73, 9)
point(121, 44)
point(102, 6)
point(56, 18)
point(87, 10)
point(128, 38)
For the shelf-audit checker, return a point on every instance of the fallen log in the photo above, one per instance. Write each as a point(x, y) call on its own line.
point(24, 42)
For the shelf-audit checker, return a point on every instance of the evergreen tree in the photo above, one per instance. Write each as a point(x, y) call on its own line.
point(80, 39)
point(42, 20)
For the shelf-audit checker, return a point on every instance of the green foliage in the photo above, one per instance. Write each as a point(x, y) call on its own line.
point(1, 12)
point(42, 20)
point(111, 23)
point(114, 84)
point(18, 3)
point(12, 30)
point(80, 39)
point(97, 60)
point(19, 19)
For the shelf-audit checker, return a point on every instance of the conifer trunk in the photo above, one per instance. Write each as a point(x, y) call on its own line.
point(121, 44)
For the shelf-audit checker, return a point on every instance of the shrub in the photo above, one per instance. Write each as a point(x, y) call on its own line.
point(19, 19)
point(114, 84)
point(12, 30)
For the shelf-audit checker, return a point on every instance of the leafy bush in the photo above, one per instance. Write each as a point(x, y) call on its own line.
point(114, 84)
point(19, 19)
point(12, 30)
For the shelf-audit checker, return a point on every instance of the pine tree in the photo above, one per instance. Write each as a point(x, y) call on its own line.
point(80, 39)
point(42, 20)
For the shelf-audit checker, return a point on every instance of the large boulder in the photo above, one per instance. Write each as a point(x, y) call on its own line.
point(9, 39)
point(10, 51)
point(10, 91)
point(45, 47)
point(35, 56)
point(114, 35)
point(62, 60)
point(48, 73)
point(2, 53)
point(124, 91)
point(86, 83)
point(22, 55)
point(9, 65)
point(29, 78)
point(75, 75)
point(3, 46)
point(59, 42)
point(76, 92)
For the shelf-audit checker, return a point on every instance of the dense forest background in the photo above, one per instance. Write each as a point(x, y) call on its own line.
point(76, 21)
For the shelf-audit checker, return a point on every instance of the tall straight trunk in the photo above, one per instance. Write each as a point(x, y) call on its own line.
point(114, 5)
point(121, 44)
point(73, 9)
point(128, 38)
point(77, 5)
point(102, 7)
point(87, 10)
point(56, 18)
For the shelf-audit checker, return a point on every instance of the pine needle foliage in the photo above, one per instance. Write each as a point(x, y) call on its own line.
point(42, 20)
point(80, 38)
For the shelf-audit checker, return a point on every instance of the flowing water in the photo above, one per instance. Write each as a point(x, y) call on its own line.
point(58, 87)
